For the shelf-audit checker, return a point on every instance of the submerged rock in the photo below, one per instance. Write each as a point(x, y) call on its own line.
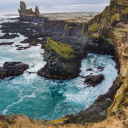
point(12, 69)
point(93, 80)
point(62, 62)
point(22, 48)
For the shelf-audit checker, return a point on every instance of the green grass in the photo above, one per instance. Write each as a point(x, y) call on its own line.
point(63, 49)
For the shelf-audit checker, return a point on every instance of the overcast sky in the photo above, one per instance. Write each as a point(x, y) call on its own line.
point(12, 6)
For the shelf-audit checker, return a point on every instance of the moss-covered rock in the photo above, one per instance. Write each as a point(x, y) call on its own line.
point(62, 49)
point(62, 61)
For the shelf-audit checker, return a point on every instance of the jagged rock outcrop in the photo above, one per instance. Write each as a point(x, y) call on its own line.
point(62, 61)
point(37, 10)
point(12, 69)
point(24, 11)
point(93, 80)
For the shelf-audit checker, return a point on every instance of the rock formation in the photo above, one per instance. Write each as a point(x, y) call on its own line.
point(112, 25)
point(25, 11)
point(93, 80)
point(12, 69)
point(62, 62)
point(37, 10)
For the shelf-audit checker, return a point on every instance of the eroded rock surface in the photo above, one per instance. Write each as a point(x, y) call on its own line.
point(93, 80)
point(12, 69)
point(25, 11)
point(62, 62)
point(7, 43)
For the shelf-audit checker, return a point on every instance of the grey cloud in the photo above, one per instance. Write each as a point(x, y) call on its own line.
point(56, 5)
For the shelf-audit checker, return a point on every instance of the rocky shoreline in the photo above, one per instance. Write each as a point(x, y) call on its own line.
point(107, 39)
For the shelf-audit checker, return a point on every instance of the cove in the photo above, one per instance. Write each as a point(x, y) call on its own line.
point(42, 98)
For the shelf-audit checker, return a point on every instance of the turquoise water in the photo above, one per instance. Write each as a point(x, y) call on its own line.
point(36, 96)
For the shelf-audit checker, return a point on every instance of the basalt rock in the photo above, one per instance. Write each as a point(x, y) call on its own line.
point(62, 62)
point(9, 36)
point(23, 11)
point(7, 43)
point(93, 80)
point(12, 69)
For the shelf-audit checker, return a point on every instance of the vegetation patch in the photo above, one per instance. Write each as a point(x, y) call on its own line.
point(63, 49)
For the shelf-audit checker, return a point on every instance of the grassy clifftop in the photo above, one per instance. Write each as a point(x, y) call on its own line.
point(112, 24)
point(117, 11)
point(63, 49)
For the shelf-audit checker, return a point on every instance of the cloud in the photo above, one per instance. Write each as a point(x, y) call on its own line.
point(56, 5)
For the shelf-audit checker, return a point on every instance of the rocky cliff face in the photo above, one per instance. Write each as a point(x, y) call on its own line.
point(112, 25)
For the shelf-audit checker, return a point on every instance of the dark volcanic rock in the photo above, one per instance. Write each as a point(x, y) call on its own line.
point(93, 80)
point(62, 61)
point(100, 68)
point(7, 43)
point(22, 48)
point(95, 112)
point(12, 69)
point(89, 69)
point(9, 36)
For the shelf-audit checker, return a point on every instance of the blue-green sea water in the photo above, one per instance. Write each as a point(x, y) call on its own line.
point(43, 98)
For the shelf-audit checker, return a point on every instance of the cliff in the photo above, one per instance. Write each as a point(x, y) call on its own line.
point(106, 33)
point(112, 25)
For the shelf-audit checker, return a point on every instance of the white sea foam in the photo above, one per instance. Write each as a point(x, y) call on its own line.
point(21, 99)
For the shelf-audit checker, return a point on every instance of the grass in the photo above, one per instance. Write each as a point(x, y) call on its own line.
point(63, 49)
point(118, 121)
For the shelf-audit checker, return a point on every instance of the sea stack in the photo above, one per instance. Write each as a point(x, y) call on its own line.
point(24, 11)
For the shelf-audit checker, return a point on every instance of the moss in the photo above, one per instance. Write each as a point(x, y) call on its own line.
point(58, 121)
point(84, 28)
point(124, 11)
point(93, 27)
point(63, 49)
point(103, 23)
point(95, 35)
point(122, 2)
point(114, 18)
point(126, 49)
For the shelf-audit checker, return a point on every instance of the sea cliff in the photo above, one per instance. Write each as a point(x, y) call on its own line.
point(106, 33)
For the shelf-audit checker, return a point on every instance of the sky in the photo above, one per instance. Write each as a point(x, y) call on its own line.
point(48, 6)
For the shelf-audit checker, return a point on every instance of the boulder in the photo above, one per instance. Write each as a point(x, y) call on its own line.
point(12, 69)
point(93, 80)
point(9, 36)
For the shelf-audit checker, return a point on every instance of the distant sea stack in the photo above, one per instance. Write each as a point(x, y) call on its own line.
point(62, 61)
point(24, 11)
